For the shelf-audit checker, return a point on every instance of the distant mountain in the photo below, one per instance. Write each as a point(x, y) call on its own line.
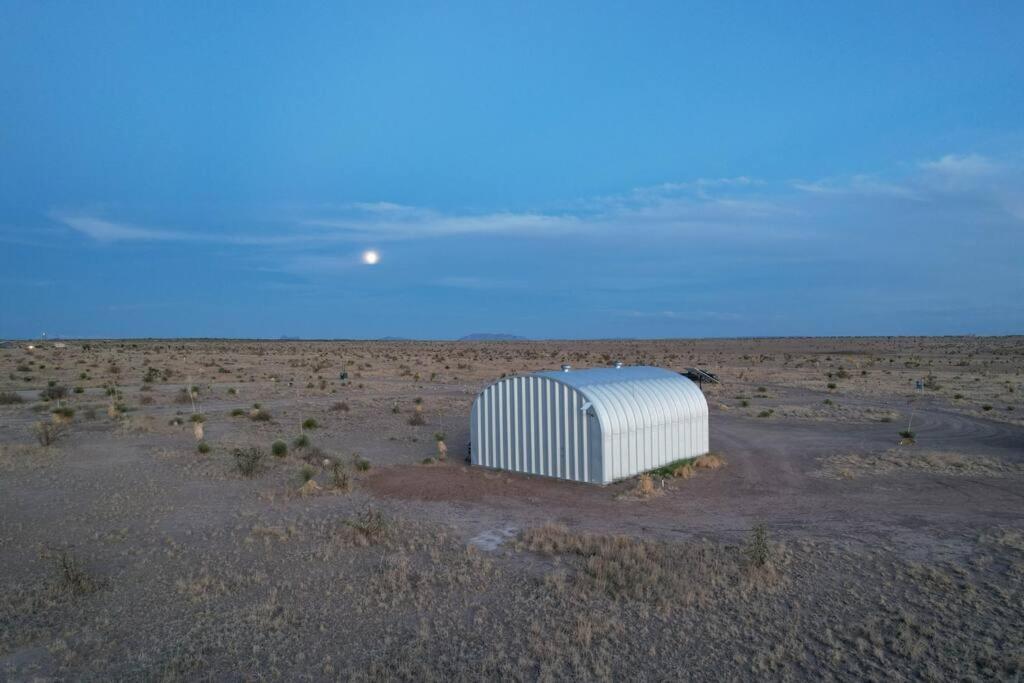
point(488, 336)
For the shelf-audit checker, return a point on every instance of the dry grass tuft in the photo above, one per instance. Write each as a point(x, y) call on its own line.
point(661, 574)
point(711, 461)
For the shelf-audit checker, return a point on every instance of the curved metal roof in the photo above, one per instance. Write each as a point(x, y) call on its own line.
point(636, 397)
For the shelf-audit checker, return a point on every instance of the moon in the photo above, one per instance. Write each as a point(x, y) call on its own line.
point(371, 257)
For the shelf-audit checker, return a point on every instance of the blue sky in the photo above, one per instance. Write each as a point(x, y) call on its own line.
point(542, 169)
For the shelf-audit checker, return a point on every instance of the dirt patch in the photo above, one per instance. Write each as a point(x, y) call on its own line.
point(461, 483)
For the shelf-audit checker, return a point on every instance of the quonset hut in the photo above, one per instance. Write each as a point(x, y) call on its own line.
point(595, 425)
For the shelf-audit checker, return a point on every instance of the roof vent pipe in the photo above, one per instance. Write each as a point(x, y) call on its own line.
point(566, 368)
point(618, 364)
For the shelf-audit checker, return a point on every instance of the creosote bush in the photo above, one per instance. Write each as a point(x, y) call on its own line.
point(757, 549)
point(48, 432)
point(339, 477)
point(310, 423)
point(8, 398)
point(203, 447)
point(279, 448)
point(259, 415)
point(53, 392)
point(301, 441)
point(248, 460)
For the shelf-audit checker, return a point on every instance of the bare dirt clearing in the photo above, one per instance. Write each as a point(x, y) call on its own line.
point(133, 548)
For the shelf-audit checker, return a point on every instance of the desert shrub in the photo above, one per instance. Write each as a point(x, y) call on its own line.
point(986, 407)
point(306, 473)
point(827, 401)
point(340, 406)
point(301, 441)
point(279, 448)
point(203, 447)
point(831, 385)
point(744, 403)
point(73, 578)
point(395, 409)
point(259, 415)
point(339, 477)
point(183, 396)
point(907, 434)
point(8, 398)
point(53, 392)
point(416, 419)
point(248, 460)
point(232, 391)
point(146, 400)
point(65, 412)
point(765, 413)
point(427, 461)
point(369, 527)
point(360, 463)
point(197, 417)
point(237, 412)
point(757, 549)
point(439, 436)
point(310, 423)
point(47, 432)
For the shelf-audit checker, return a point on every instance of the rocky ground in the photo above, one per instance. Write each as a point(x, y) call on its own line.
point(829, 545)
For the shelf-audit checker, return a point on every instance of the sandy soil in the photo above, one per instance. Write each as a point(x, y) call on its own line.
point(823, 549)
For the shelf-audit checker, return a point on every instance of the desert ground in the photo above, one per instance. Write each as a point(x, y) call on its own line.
point(851, 525)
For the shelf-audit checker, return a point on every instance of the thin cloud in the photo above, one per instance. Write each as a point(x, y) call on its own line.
point(962, 165)
point(732, 212)
point(108, 231)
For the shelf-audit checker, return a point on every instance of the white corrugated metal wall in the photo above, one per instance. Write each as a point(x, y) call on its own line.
point(637, 419)
point(534, 425)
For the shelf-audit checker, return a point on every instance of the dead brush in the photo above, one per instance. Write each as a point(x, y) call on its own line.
point(47, 433)
point(711, 461)
point(72, 577)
